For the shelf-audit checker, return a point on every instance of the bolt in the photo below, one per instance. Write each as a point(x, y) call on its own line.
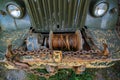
point(2, 12)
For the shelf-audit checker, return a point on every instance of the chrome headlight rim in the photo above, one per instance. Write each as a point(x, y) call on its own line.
point(96, 5)
point(17, 5)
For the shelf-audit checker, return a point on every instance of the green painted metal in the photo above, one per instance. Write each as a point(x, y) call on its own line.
point(54, 13)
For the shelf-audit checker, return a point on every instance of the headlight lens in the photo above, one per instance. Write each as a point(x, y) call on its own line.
point(15, 11)
point(100, 9)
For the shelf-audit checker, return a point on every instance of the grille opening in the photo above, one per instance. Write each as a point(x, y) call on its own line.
point(58, 26)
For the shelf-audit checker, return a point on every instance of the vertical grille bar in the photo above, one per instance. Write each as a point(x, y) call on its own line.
point(50, 13)
point(74, 12)
point(65, 12)
point(78, 16)
point(84, 13)
point(47, 14)
point(49, 8)
point(40, 13)
point(35, 11)
point(55, 11)
point(30, 12)
point(70, 12)
point(60, 12)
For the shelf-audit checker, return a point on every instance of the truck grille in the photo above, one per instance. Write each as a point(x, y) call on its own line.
point(57, 15)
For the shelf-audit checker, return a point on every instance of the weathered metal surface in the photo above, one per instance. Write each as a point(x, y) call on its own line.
point(51, 15)
point(57, 15)
point(109, 37)
point(44, 57)
point(8, 23)
point(69, 42)
point(58, 58)
point(108, 21)
point(32, 42)
point(118, 22)
point(15, 37)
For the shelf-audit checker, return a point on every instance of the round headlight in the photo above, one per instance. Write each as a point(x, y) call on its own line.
point(100, 9)
point(15, 10)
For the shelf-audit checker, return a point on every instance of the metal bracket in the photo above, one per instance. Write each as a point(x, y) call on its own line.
point(57, 56)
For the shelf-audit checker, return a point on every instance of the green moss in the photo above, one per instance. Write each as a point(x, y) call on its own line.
point(111, 73)
point(64, 74)
point(34, 77)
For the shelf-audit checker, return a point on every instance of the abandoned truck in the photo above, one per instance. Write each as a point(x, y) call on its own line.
point(55, 34)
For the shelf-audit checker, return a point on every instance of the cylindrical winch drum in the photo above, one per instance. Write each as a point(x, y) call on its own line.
point(65, 41)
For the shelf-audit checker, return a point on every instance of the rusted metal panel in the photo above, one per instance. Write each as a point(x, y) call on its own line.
point(107, 36)
point(15, 37)
point(68, 15)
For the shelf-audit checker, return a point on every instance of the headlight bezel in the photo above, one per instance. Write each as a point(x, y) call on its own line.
point(19, 6)
point(96, 5)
